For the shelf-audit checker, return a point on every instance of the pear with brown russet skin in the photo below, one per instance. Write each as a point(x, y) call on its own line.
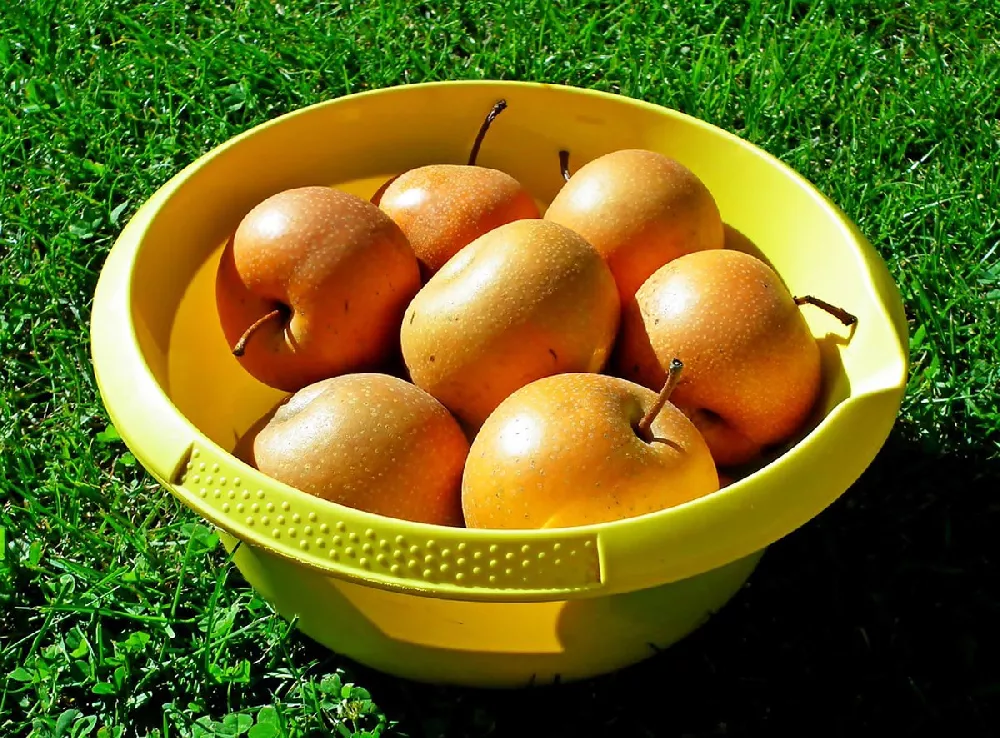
point(524, 301)
point(752, 367)
point(368, 441)
point(313, 284)
point(444, 207)
point(581, 449)
point(640, 210)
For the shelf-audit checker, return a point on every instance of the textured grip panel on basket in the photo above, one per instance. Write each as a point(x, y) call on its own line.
point(310, 530)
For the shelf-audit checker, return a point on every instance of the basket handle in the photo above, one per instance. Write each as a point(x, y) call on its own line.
point(388, 553)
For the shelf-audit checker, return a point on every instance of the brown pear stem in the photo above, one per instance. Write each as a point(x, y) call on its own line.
point(673, 375)
point(241, 345)
point(839, 313)
point(564, 164)
point(497, 109)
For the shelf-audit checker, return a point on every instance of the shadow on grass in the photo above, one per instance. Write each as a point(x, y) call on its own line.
point(878, 618)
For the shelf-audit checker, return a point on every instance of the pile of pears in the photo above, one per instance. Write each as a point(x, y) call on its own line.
point(454, 356)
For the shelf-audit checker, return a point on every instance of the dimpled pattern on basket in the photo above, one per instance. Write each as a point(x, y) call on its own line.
point(569, 560)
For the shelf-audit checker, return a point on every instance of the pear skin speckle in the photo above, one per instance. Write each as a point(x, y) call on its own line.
point(525, 301)
point(316, 251)
point(640, 210)
point(751, 365)
point(443, 207)
point(564, 451)
point(368, 441)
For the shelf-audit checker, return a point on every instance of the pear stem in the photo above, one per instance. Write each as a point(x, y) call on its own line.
point(564, 164)
point(839, 313)
point(241, 345)
point(497, 109)
point(673, 375)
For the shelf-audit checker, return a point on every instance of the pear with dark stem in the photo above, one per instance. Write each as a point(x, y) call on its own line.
point(753, 373)
point(579, 449)
point(444, 207)
point(640, 209)
point(313, 284)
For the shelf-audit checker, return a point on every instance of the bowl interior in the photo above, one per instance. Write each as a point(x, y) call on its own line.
point(356, 143)
point(356, 147)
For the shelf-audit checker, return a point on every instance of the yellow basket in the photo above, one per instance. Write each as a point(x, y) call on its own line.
point(465, 606)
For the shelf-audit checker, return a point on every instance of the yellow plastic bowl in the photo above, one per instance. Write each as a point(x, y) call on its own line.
point(464, 606)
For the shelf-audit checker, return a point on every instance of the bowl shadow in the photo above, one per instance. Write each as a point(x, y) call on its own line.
point(877, 618)
point(735, 240)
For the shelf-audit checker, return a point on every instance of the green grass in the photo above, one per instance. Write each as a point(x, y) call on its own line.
point(119, 612)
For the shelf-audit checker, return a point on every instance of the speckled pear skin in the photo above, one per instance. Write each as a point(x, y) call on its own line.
point(563, 451)
point(640, 210)
point(341, 267)
point(526, 300)
point(369, 441)
point(444, 207)
point(752, 369)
